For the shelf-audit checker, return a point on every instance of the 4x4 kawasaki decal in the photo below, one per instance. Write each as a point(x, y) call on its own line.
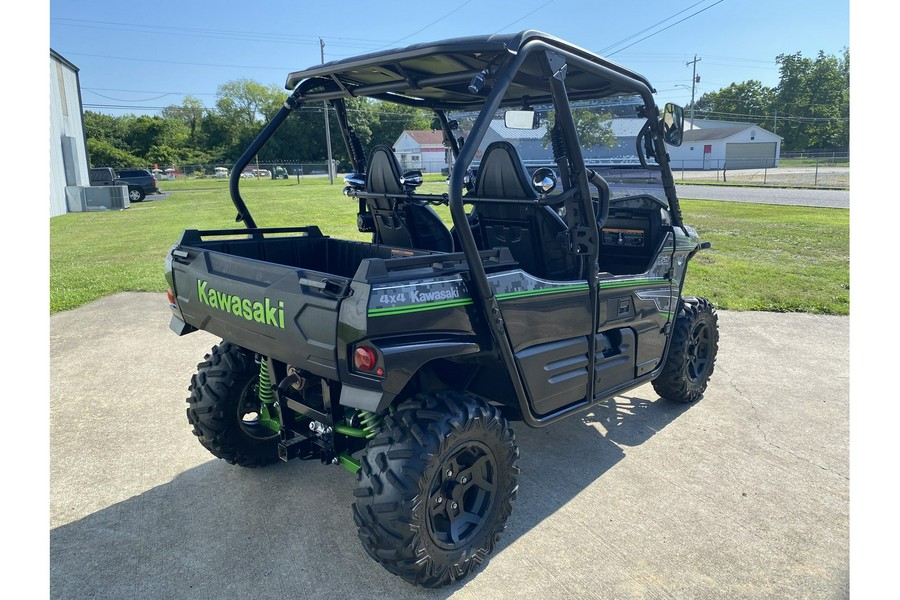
point(266, 312)
point(434, 294)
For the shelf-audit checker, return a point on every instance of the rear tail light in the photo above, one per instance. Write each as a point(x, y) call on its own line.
point(171, 295)
point(365, 360)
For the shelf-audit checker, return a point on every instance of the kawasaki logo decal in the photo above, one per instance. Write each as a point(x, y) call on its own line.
point(265, 313)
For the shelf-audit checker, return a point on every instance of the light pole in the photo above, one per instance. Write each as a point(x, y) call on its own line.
point(685, 86)
point(327, 125)
point(695, 79)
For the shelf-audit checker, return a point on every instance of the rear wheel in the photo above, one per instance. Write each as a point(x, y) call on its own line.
point(136, 194)
point(224, 408)
point(692, 353)
point(436, 488)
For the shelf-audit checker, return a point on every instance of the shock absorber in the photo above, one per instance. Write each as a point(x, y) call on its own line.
point(370, 423)
point(269, 415)
point(560, 155)
point(362, 424)
point(357, 152)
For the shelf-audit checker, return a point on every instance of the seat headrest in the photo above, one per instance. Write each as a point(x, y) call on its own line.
point(502, 174)
point(383, 176)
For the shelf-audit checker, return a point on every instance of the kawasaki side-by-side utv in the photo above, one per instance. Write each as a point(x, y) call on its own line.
point(404, 359)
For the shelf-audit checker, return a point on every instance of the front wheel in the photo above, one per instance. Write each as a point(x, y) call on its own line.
point(436, 488)
point(225, 411)
point(692, 352)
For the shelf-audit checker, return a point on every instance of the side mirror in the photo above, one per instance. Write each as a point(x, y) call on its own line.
point(411, 179)
point(544, 180)
point(356, 181)
point(521, 119)
point(673, 124)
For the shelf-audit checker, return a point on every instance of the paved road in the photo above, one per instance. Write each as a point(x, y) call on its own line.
point(796, 197)
point(743, 495)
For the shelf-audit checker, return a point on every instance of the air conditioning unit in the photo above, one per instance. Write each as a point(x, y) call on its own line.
point(82, 198)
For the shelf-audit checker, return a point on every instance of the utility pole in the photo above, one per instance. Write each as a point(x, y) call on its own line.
point(694, 81)
point(327, 125)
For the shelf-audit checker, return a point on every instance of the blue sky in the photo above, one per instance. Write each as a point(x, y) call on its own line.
point(137, 57)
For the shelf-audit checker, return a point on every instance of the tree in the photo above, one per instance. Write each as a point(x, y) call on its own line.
point(99, 126)
point(745, 101)
point(144, 132)
point(247, 102)
point(594, 128)
point(101, 153)
point(191, 113)
point(813, 98)
point(387, 121)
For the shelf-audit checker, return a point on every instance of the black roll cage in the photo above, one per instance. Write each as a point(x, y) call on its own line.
point(324, 84)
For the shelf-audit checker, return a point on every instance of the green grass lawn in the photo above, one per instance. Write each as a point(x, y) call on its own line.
point(763, 257)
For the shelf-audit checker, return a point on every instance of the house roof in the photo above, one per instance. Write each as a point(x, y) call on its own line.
point(426, 137)
point(715, 133)
point(506, 133)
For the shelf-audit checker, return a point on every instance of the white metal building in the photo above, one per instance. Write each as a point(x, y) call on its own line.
point(726, 145)
point(68, 153)
point(422, 150)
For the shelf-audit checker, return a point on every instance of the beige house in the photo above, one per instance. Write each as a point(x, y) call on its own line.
point(422, 150)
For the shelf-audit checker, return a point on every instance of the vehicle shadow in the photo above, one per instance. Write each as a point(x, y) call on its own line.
point(286, 531)
point(153, 198)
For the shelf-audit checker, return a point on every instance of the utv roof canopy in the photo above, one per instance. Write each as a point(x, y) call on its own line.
point(458, 74)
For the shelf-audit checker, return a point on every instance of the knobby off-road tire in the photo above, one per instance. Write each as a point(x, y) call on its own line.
point(221, 406)
point(436, 488)
point(692, 354)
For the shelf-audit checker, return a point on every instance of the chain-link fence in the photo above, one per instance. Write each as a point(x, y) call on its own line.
point(802, 169)
point(261, 170)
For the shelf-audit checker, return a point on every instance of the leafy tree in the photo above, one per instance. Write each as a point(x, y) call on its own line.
point(247, 102)
point(814, 95)
point(191, 113)
point(594, 128)
point(387, 121)
point(99, 126)
point(741, 99)
point(101, 153)
point(144, 132)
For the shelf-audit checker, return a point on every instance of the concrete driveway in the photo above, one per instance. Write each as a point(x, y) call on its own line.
point(742, 495)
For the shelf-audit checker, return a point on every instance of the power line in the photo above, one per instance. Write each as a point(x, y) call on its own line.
point(508, 25)
point(174, 62)
point(212, 33)
point(123, 99)
point(150, 91)
point(667, 27)
point(766, 116)
point(418, 31)
point(631, 37)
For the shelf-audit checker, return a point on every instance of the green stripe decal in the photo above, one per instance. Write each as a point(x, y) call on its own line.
point(631, 282)
point(541, 292)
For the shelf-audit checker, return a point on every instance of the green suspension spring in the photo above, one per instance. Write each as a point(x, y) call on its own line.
point(266, 396)
point(370, 422)
point(369, 425)
point(268, 413)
